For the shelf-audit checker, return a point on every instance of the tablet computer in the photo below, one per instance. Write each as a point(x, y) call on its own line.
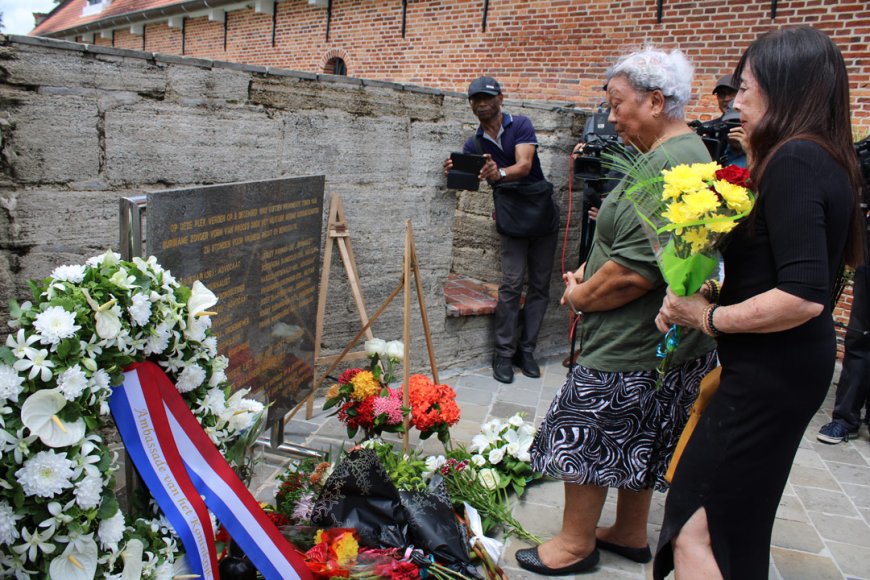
point(465, 171)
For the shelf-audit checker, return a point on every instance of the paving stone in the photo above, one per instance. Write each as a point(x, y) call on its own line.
point(519, 397)
point(859, 494)
point(795, 565)
point(853, 531)
point(853, 560)
point(796, 536)
point(475, 396)
point(504, 410)
point(791, 508)
point(812, 477)
point(808, 458)
point(825, 501)
point(839, 453)
point(845, 473)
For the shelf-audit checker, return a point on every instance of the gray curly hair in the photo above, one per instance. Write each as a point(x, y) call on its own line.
point(650, 69)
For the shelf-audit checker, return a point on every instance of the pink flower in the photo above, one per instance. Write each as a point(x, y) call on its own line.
point(391, 406)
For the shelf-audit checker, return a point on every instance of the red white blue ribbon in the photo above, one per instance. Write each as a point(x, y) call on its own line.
point(187, 476)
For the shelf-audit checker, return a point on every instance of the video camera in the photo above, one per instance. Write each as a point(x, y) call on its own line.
point(714, 133)
point(599, 136)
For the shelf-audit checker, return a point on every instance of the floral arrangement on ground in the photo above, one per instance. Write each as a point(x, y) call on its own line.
point(477, 480)
point(59, 516)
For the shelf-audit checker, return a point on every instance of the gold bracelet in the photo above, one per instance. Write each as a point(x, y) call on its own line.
point(707, 326)
point(713, 290)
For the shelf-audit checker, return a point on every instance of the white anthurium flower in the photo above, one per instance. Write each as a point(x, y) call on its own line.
point(132, 557)
point(376, 347)
point(77, 562)
point(109, 322)
point(39, 414)
point(395, 350)
point(39, 365)
point(179, 569)
point(201, 299)
point(20, 344)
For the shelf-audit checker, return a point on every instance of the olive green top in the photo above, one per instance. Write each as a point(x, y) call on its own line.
point(626, 339)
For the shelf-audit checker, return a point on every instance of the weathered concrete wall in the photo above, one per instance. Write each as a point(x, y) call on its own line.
point(83, 126)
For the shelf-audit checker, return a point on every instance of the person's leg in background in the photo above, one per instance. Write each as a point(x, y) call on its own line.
point(539, 265)
point(853, 386)
point(507, 310)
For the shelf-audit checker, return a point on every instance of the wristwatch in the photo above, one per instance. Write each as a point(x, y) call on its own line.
point(502, 174)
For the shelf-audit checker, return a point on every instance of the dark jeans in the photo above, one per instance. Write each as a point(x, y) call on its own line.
point(854, 385)
point(518, 255)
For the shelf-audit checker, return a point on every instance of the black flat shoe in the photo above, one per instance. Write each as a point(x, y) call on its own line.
point(639, 555)
point(502, 370)
point(527, 363)
point(528, 559)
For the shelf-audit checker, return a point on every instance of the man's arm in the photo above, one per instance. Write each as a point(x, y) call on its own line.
point(612, 286)
point(524, 153)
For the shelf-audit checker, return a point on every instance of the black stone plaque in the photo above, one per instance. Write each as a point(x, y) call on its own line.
point(256, 245)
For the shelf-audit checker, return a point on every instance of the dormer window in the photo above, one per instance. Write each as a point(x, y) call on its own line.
point(95, 6)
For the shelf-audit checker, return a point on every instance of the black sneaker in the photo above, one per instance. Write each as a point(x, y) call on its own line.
point(835, 432)
point(526, 362)
point(502, 369)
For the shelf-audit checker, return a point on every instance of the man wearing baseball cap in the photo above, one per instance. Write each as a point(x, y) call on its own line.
point(509, 144)
point(725, 92)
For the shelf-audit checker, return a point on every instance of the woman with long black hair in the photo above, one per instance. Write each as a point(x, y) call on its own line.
point(773, 322)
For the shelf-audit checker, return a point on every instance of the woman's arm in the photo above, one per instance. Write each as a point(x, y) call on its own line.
point(771, 311)
point(612, 286)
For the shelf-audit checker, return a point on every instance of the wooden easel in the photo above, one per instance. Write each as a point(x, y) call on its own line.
point(336, 234)
point(410, 267)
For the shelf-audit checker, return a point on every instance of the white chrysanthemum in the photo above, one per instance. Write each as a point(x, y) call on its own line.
point(89, 491)
point(215, 401)
point(46, 474)
point(11, 383)
point(74, 274)
point(111, 531)
point(8, 523)
point(140, 310)
point(210, 345)
point(100, 380)
point(158, 340)
point(55, 324)
point(72, 382)
point(241, 412)
point(190, 378)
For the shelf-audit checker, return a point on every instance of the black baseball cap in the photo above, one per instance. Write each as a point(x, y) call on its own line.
point(486, 85)
point(724, 82)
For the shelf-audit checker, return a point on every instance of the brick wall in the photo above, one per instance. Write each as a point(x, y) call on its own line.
point(540, 49)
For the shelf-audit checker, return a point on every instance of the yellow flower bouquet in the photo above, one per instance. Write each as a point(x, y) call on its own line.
point(687, 211)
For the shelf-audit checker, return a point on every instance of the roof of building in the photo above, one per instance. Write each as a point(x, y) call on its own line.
point(71, 14)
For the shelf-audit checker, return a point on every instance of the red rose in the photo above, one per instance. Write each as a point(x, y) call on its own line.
point(734, 174)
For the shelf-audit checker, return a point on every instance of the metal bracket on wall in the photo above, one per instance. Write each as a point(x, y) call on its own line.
point(274, 23)
point(404, 16)
point(485, 13)
point(660, 10)
point(328, 18)
point(773, 6)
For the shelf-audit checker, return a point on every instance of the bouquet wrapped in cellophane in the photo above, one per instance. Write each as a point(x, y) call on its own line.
point(687, 211)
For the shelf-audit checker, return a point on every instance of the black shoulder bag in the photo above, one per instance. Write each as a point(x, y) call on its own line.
point(524, 210)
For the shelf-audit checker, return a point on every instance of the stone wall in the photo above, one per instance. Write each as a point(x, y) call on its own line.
point(82, 126)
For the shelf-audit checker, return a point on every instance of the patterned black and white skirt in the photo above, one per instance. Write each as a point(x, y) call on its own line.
point(615, 429)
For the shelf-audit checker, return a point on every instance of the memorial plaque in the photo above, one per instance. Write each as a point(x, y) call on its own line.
point(256, 245)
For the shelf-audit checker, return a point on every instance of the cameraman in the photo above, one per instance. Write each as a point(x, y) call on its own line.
point(735, 150)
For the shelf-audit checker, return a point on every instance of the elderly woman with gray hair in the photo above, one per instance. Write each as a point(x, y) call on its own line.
point(609, 425)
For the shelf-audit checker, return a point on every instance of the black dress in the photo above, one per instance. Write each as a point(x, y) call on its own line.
point(738, 459)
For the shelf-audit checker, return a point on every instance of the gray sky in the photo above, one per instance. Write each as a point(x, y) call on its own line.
point(18, 14)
